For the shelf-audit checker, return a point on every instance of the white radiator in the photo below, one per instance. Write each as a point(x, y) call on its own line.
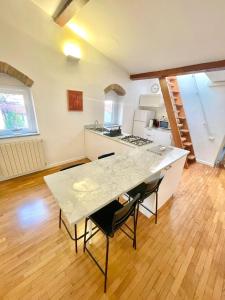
point(19, 158)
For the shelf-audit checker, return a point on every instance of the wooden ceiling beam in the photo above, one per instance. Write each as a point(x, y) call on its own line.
point(203, 67)
point(66, 10)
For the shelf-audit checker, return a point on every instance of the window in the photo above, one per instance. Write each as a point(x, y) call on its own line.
point(108, 115)
point(17, 116)
point(113, 112)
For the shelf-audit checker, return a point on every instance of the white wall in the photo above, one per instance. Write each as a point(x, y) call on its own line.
point(213, 100)
point(131, 103)
point(32, 43)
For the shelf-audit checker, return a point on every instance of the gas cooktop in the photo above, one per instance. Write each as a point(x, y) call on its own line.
point(136, 140)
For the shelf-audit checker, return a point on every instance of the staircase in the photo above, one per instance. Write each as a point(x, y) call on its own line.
point(184, 136)
point(220, 160)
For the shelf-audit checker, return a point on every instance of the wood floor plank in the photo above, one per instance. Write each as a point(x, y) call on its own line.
point(182, 257)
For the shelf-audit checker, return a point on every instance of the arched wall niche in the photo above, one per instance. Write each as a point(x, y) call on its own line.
point(11, 71)
point(118, 89)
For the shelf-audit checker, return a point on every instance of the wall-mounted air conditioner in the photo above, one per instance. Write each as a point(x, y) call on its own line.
point(151, 100)
point(217, 78)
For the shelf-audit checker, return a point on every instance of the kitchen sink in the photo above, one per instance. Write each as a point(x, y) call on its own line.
point(99, 129)
point(160, 150)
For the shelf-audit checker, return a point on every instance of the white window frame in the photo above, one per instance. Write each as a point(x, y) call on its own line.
point(30, 109)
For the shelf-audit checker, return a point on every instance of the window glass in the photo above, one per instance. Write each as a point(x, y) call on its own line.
point(108, 114)
point(17, 116)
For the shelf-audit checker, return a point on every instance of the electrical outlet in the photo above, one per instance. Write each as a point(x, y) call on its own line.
point(211, 138)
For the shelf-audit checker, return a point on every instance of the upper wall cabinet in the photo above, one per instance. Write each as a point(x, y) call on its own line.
point(151, 100)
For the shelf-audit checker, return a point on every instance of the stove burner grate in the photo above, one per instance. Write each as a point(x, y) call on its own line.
point(136, 140)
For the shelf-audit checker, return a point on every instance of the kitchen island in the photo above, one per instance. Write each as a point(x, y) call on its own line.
point(171, 166)
point(82, 190)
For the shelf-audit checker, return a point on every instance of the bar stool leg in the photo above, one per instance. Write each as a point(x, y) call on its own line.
point(75, 235)
point(156, 207)
point(106, 262)
point(135, 226)
point(90, 231)
point(60, 217)
point(85, 234)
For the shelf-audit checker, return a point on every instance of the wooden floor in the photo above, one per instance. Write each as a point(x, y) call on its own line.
point(183, 257)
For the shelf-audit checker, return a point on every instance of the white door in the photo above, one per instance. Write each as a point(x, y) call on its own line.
point(139, 128)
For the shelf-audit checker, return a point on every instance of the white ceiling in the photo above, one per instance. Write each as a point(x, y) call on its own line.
point(148, 35)
point(49, 6)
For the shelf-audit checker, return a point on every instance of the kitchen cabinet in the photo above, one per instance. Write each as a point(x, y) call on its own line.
point(97, 144)
point(158, 136)
point(151, 100)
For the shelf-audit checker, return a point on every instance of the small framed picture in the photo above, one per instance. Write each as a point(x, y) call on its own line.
point(75, 100)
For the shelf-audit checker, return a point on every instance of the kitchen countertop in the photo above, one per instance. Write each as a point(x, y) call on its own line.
point(82, 190)
point(116, 138)
point(158, 128)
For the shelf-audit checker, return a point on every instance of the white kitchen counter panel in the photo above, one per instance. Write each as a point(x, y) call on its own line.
point(82, 190)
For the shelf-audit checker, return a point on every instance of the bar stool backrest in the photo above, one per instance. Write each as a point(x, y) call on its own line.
point(106, 155)
point(72, 167)
point(121, 215)
point(152, 187)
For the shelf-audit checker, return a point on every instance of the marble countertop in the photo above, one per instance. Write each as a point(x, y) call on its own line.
point(82, 190)
point(159, 129)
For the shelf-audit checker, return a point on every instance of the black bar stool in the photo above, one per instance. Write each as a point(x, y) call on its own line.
point(145, 190)
point(109, 219)
point(106, 155)
point(75, 238)
point(72, 166)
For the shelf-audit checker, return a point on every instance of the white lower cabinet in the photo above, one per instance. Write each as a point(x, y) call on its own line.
point(159, 136)
point(172, 175)
point(96, 145)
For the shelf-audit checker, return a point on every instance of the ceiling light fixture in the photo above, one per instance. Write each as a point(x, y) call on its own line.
point(72, 51)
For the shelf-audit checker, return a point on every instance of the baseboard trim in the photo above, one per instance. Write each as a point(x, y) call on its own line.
point(51, 165)
point(48, 166)
point(205, 163)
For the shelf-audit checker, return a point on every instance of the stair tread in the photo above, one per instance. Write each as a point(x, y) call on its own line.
point(183, 139)
point(182, 118)
point(171, 84)
point(178, 104)
point(191, 156)
point(184, 130)
point(180, 125)
point(187, 144)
